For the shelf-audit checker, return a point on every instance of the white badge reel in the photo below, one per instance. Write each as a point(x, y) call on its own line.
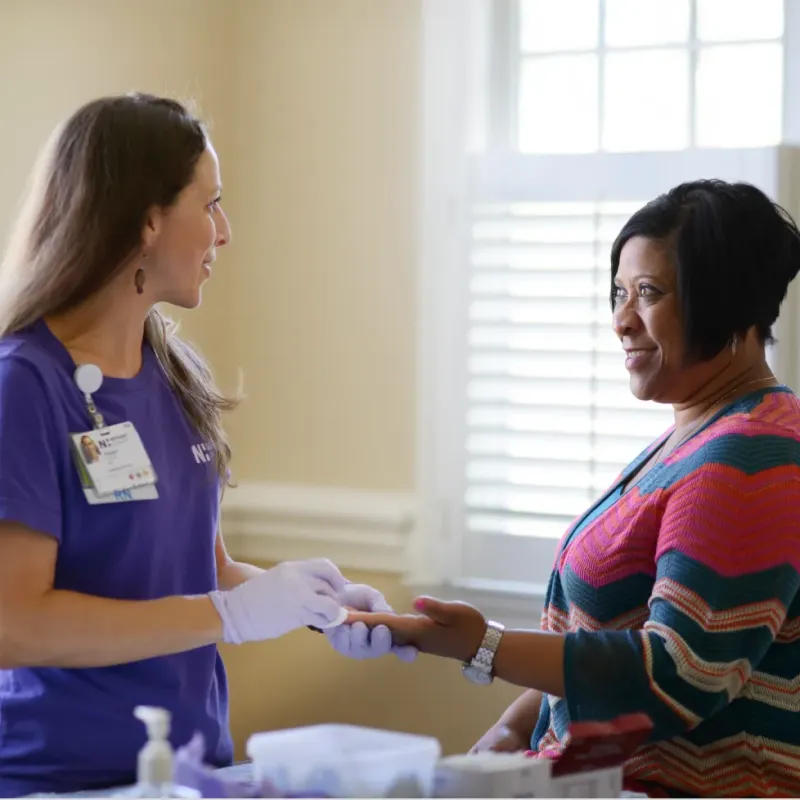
point(88, 378)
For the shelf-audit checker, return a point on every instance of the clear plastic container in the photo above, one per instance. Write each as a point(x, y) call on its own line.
point(345, 761)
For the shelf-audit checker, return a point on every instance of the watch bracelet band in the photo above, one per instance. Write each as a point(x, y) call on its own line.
point(484, 658)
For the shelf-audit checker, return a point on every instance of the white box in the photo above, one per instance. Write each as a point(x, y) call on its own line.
point(345, 761)
point(597, 783)
point(492, 775)
point(518, 775)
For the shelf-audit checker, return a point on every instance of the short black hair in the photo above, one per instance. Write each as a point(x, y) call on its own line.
point(735, 253)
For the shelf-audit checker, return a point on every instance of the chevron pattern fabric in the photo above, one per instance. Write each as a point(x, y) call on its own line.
point(681, 599)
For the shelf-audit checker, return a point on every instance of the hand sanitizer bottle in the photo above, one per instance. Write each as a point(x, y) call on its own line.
point(154, 776)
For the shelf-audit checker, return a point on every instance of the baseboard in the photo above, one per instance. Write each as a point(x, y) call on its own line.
point(355, 529)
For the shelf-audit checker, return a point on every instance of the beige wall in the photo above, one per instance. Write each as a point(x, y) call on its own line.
point(323, 204)
point(315, 111)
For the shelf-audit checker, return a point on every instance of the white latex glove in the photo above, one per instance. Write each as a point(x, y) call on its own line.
point(292, 595)
point(357, 640)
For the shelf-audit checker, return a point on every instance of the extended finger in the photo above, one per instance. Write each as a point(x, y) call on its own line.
point(405, 628)
point(387, 618)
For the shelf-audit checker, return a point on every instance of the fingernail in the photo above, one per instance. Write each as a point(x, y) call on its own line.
point(419, 604)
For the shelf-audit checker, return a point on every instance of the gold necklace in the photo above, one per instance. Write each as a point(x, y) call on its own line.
point(664, 452)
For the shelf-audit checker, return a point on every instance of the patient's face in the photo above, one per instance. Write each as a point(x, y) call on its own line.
point(646, 319)
point(648, 322)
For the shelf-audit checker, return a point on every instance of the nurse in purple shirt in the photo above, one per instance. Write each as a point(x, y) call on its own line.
point(112, 599)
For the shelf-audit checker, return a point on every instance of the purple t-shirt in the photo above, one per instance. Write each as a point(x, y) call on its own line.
point(68, 729)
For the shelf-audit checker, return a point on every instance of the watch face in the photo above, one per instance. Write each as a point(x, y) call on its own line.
point(477, 675)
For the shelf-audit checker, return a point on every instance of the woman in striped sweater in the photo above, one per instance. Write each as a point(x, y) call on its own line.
point(677, 593)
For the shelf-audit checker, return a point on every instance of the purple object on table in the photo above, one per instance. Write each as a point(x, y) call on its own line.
point(191, 772)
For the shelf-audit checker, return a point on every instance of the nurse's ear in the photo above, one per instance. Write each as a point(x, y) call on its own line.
point(153, 225)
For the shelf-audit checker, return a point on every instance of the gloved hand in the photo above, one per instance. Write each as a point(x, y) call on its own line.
point(291, 595)
point(357, 640)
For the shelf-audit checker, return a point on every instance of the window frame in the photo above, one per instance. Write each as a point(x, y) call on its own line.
point(507, 56)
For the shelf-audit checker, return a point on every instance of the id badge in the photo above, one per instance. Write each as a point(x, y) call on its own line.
point(112, 460)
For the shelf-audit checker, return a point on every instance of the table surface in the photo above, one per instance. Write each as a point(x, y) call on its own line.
point(240, 772)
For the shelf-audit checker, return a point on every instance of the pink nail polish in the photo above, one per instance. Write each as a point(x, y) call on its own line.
point(419, 604)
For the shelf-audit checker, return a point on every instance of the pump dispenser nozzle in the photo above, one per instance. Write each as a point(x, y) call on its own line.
point(155, 758)
point(154, 767)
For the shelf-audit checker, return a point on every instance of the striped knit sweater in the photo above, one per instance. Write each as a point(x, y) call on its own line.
point(681, 599)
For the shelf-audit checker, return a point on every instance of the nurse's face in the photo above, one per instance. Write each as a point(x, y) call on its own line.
point(186, 238)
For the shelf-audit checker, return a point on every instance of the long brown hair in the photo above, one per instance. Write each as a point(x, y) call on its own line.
point(103, 170)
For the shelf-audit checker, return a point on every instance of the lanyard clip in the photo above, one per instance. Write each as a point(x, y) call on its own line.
point(88, 378)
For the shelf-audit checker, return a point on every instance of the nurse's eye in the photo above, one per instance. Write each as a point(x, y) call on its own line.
point(214, 204)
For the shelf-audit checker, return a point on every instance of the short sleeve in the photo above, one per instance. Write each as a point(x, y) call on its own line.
point(30, 492)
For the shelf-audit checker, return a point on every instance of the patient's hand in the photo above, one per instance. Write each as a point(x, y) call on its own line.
point(450, 630)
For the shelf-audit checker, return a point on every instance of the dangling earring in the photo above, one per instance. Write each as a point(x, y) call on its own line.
point(138, 278)
point(733, 346)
